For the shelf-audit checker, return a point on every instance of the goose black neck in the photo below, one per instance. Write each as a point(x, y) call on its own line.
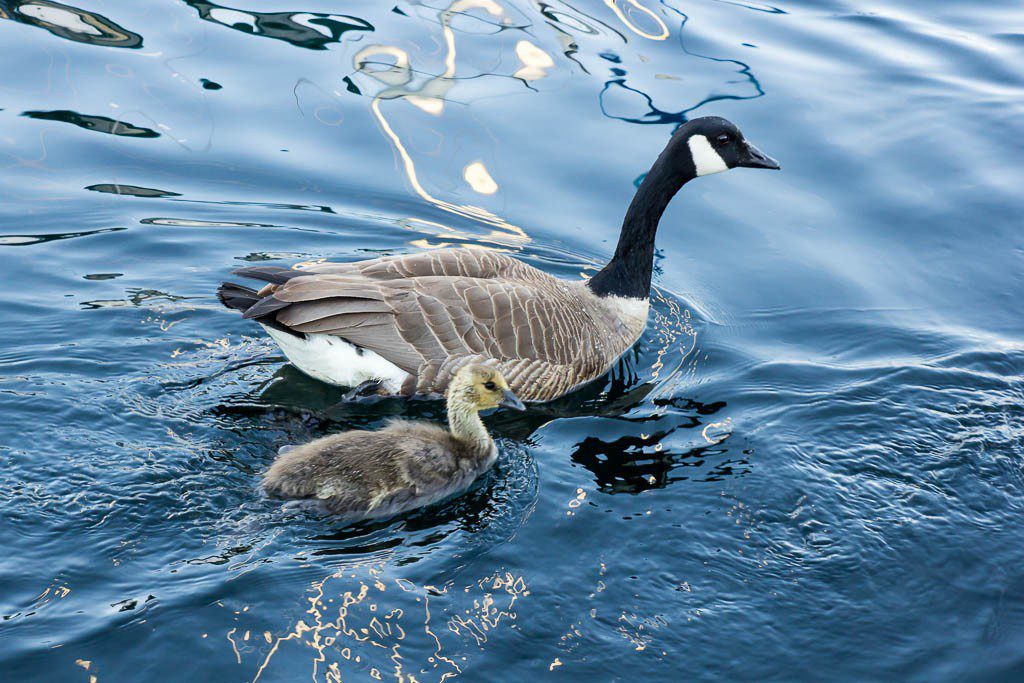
point(628, 274)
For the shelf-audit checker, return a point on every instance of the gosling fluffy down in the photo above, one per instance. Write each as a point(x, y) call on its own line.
point(406, 465)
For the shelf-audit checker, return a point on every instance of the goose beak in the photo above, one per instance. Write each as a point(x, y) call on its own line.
point(755, 158)
point(510, 400)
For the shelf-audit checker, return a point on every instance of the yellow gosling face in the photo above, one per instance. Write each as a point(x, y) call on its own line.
point(485, 387)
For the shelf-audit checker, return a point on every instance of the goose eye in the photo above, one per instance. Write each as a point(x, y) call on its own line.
point(723, 138)
point(490, 386)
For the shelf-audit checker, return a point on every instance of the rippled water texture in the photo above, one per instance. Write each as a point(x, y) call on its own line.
point(809, 468)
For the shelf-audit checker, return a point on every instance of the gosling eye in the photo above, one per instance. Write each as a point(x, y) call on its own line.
point(490, 386)
point(724, 138)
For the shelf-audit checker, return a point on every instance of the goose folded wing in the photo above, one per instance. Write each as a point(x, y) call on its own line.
point(430, 325)
point(536, 336)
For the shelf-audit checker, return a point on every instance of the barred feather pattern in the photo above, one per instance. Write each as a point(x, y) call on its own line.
point(432, 312)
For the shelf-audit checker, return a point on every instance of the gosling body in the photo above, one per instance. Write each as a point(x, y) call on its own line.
point(407, 465)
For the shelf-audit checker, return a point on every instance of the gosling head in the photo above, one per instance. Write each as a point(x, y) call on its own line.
point(482, 387)
point(712, 144)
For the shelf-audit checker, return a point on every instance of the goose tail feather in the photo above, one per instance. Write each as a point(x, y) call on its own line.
point(237, 297)
point(245, 299)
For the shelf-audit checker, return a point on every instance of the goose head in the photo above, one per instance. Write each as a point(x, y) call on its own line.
point(699, 147)
point(712, 144)
point(481, 387)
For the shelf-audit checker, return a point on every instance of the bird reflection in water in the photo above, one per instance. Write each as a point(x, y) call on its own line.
point(311, 30)
point(70, 23)
point(637, 462)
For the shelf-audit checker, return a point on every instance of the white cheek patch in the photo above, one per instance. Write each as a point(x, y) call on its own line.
point(705, 159)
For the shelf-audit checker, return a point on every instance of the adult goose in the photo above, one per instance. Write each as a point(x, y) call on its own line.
point(406, 324)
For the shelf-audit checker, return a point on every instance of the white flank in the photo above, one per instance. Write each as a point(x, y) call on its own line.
point(705, 159)
point(335, 361)
point(628, 310)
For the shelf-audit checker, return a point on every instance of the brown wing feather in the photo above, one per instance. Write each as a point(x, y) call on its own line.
point(429, 313)
point(317, 310)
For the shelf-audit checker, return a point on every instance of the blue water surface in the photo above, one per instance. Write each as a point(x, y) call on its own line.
point(809, 468)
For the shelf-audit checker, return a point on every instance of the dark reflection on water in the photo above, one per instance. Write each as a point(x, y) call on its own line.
point(311, 30)
point(655, 115)
point(25, 240)
point(100, 124)
point(810, 463)
point(136, 297)
point(70, 23)
point(133, 190)
point(186, 222)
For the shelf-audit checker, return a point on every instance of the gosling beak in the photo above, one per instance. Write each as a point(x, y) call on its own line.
point(510, 400)
point(752, 157)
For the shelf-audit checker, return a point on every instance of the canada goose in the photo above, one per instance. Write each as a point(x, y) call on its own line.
point(408, 323)
point(404, 466)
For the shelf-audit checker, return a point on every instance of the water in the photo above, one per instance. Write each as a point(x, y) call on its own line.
point(809, 468)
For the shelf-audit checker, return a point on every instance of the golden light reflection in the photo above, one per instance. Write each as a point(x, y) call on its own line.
point(442, 232)
point(51, 593)
point(479, 179)
point(459, 7)
point(87, 664)
point(430, 98)
point(353, 626)
point(576, 501)
point(625, 19)
point(717, 432)
point(505, 230)
point(672, 328)
point(534, 60)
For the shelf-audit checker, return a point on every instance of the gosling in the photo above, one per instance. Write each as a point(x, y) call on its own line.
point(370, 475)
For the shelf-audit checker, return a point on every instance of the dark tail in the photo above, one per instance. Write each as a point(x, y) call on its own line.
point(237, 297)
point(244, 299)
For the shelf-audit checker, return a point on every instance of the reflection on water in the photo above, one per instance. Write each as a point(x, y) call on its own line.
point(100, 124)
point(25, 240)
point(70, 23)
point(311, 30)
point(390, 66)
point(192, 223)
point(641, 107)
point(358, 622)
point(136, 297)
point(133, 190)
point(639, 462)
point(639, 19)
